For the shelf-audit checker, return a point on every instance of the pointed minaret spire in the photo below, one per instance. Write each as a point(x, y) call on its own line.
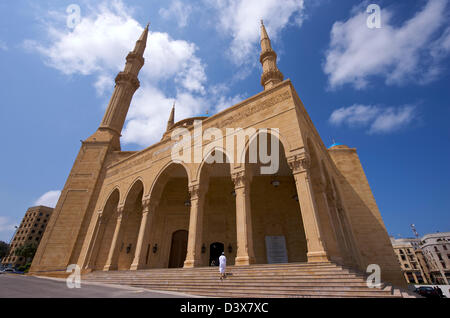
point(126, 85)
point(142, 42)
point(271, 74)
point(171, 121)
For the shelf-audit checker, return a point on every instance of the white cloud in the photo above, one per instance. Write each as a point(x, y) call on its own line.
point(98, 46)
point(393, 119)
point(3, 46)
point(354, 115)
point(240, 20)
point(178, 12)
point(6, 225)
point(378, 120)
point(49, 199)
point(400, 54)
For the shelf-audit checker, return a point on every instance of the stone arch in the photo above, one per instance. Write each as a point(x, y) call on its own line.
point(219, 205)
point(131, 221)
point(275, 210)
point(167, 167)
point(170, 201)
point(349, 240)
point(130, 187)
point(107, 225)
point(202, 165)
point(283, 141)
point(318, 181)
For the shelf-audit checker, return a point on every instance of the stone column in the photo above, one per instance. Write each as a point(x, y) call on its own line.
point(329, 224)
point(300, 166)
point(194, 256)
point(245, 254)
point(113, 256)
point(94, 244)
point(148, 211)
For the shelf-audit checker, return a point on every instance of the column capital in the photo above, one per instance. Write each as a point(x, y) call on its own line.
point(119, 211)
point(194, 191)
point(299, 163)
point(149, 205)
point(240, 179)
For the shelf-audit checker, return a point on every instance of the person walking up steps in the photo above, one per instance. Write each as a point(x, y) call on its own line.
point(222, 266)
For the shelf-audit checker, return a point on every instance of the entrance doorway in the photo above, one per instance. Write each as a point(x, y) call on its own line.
point(215, 250)
point(178, 250)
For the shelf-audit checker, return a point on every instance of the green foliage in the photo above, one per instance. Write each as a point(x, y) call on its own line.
point(24, 268)
point(26, 251)
point(4, 249)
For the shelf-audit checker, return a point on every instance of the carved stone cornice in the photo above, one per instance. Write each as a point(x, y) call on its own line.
point(299, 163)
point(131, 57)
point(271, 75)
point(128, 79)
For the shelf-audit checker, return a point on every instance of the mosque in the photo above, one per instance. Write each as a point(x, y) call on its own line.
point(124, 210)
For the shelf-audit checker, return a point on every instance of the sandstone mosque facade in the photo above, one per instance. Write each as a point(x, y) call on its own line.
point(123, 210)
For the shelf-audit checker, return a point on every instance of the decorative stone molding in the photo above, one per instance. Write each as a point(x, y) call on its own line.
point(119, 211)
point(239, 179)
point(127, 78)
point(194, 191)
point(133, 57)
point(299, 163)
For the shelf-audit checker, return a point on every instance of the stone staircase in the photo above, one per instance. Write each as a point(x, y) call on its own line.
point(257, 281)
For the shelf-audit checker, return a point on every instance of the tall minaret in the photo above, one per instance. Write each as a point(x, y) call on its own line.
point(171, 120)
point(126, 85)
point(271, 74)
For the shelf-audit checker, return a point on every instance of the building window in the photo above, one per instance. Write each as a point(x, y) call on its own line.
point(403, 257)
point(445, 247)
point(436, 249)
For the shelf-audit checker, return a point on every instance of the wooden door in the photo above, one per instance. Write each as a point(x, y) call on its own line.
point(178, 250)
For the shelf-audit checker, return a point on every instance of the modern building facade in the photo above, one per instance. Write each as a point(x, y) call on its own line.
point(436, 249)
point(412, 262)
point(30, 231)
point(138, 210)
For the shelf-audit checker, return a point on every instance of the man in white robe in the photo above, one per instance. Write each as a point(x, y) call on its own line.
point(222, 266)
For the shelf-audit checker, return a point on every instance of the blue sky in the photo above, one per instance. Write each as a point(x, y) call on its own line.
point(383, 91)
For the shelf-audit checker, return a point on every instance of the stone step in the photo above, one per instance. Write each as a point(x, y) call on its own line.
point(262, 267)
point(230, 271)
point(285, 280)
point(256, 283)
point(255, 293)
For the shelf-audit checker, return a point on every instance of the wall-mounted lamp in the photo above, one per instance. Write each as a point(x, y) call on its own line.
point(187, 203)
point(203, 248)
point(275, 183)
point(129, 249)
point(233, 193)
point(155, 248)
point(295, 197)
point(230, 248)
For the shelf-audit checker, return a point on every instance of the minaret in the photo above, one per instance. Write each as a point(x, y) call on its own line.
point(126, 85)
point(271, 74)
point(171, 121)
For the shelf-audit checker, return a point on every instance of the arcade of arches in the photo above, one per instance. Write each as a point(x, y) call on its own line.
point(253, 218)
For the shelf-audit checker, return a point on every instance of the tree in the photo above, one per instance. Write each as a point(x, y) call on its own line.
point(4, 249)
point(26, 251)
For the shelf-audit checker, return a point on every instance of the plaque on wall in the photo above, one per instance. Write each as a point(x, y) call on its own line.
point(276, 250)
